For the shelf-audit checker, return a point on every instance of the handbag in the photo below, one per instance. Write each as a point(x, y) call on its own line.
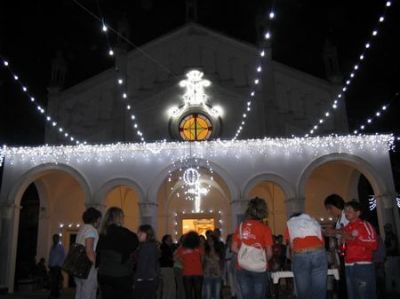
point(77, 262)
point(251, 258)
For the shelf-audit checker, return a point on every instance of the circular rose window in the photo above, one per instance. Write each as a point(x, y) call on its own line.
point(195, 127)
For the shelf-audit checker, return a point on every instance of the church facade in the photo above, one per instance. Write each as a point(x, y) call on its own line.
point(189, 101)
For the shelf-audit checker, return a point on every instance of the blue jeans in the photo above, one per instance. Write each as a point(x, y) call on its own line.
point(253, 285)
point(212, 287)
point(310, 271)
point(360, 280)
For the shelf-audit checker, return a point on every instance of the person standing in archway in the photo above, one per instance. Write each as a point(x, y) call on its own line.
point(88, 237)
point(334, 204)
point(309, 260)
point(114, 256)
point(361, 242)
point(56, 260)
point(253, 234)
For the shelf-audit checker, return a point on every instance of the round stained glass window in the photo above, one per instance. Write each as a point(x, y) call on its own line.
point(195, 127)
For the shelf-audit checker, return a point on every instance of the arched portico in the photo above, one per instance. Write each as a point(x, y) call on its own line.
point(344, 170)
point(124, 193)
point(63, 192)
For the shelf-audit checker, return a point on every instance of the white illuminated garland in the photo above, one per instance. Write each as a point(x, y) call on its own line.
point(376, 115)
point(256, 81)
point(123, 85)
point(351, 76)
point(54, 123)
point(173, 151)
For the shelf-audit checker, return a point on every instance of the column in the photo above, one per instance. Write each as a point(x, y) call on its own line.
point(238, 211)
point(294, 205)
point(388, 212)
point(9, 216)
point(148, 213)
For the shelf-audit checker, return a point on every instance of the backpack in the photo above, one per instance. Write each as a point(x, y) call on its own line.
point(251, 258)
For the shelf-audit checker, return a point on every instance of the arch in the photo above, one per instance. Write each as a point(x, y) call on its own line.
point(33, 174)
point(356, 162)
point(287, 188)
point(163, 175)
point(15, 196)
point(101, 194)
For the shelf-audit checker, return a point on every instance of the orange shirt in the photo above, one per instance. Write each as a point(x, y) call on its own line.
point(254, 233)
point(304, 243)
point(191, 260)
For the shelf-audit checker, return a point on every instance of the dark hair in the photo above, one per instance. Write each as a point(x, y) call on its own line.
point(256, 209)
point(149, 231)
point(296, 214)
point(56, 240)
point(355, 205)
point(191, 240)
point(217, 248)
point(334, 200)
point(91, 215)
point(165, 237)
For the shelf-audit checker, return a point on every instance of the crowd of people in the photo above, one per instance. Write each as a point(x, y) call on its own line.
point(126, 264)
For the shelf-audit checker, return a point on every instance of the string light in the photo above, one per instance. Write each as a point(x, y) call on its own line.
point(177, 152)
point(120, 82)
point(370, 120)
point(47, 117)
point(352, 75)
point(256, 81)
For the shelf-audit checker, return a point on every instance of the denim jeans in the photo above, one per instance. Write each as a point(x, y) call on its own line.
point(252, 285)
point(360, 280)
point(310, 274)
point(212, 287)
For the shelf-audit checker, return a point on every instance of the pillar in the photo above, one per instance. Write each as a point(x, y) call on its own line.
point(294, 205)
point(9, 217)
point(148, 213)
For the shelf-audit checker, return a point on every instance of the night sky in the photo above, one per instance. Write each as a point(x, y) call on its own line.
point(31, 32)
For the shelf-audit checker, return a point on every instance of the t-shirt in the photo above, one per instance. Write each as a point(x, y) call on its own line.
point(303, 243)
point(254, 233)
point(304, 232)
point(191, 260)
point(87, 231)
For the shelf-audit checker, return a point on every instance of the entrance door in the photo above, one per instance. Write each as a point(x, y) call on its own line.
point(199, 225)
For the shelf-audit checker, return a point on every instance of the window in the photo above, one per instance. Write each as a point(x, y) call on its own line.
point(195, 127)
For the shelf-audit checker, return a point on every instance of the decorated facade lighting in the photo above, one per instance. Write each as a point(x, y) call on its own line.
point(268, 37)
point(47, 117)
point(176, 153)
point(367, 45)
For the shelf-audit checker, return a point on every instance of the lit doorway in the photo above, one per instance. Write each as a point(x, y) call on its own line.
point(199, 225)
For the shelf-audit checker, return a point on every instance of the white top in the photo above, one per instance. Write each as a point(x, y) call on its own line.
point(303, 226)
point(85, 232)
point(342, 221)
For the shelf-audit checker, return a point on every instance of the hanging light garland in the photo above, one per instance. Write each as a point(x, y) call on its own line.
point(123, 88)
point(41, 110)
point(176, 153)
point(339, 97)
point(370, 120)
point(258, 74)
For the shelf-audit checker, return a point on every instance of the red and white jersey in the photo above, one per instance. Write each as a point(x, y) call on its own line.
point(362, 247)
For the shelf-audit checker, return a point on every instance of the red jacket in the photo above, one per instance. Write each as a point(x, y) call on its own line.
point(362, 247)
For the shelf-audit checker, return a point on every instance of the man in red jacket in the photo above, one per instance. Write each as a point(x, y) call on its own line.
point(361, 242)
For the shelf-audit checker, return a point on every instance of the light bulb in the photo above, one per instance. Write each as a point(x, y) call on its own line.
point(111, 52)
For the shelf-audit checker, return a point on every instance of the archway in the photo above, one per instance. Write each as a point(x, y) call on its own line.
point(275, 198)
point(179, 212)
point(61, 196)
point(345, 179)
point(27, 234)
point(126, 198)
